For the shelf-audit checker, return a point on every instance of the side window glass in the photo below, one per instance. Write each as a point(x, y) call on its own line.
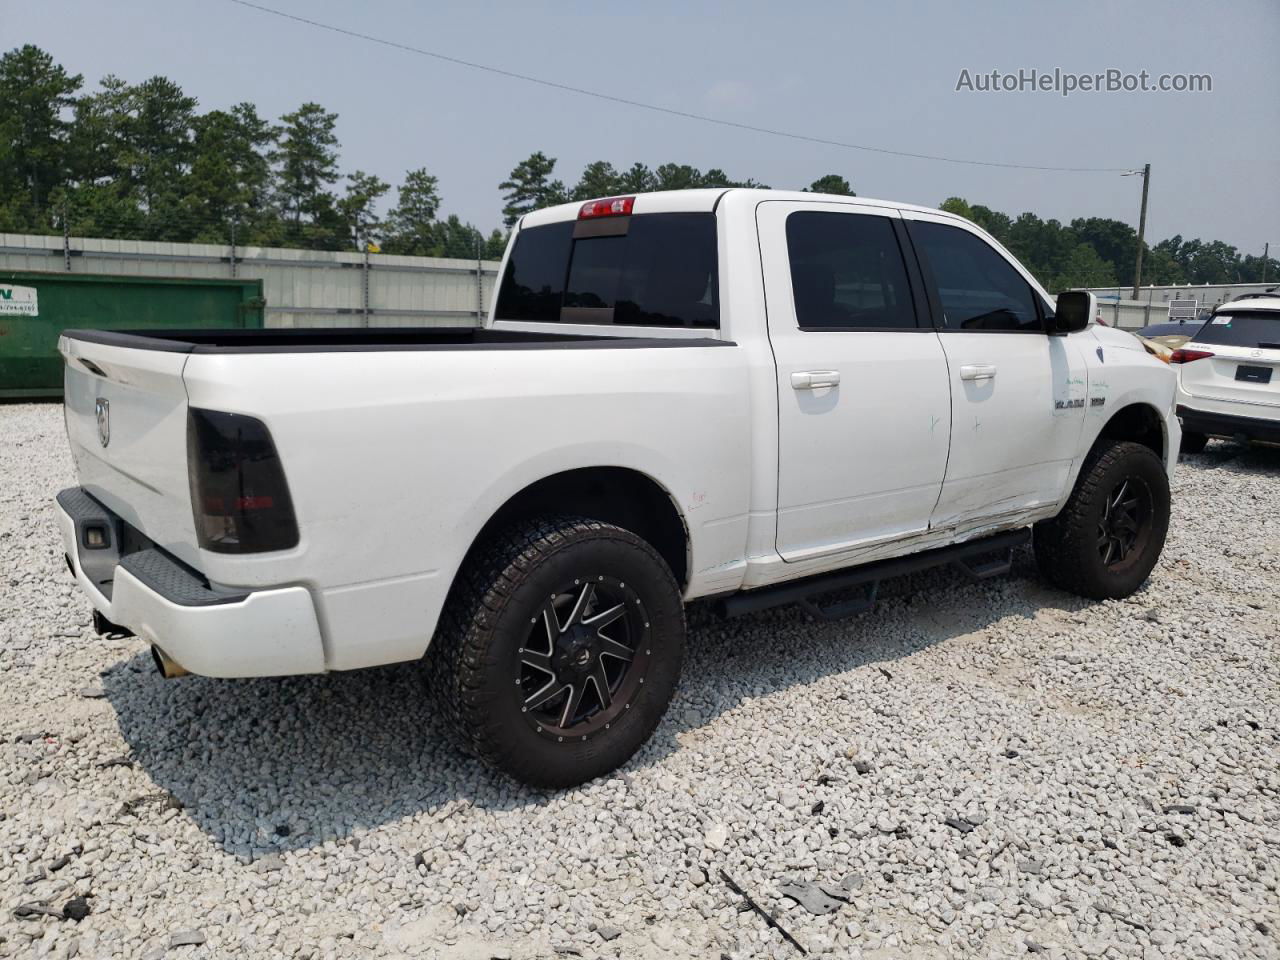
point(978, 288)
point(847, 272)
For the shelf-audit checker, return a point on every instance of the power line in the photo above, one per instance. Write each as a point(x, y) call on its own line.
point(703, 118)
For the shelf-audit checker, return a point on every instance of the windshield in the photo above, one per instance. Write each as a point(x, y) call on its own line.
point(1242, 328)
point(656, 270)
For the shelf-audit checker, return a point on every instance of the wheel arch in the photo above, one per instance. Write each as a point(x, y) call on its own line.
point(623, 496)
point(1139, 422)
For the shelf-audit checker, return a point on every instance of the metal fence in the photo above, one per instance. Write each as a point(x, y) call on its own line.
point(1132, 314)
point(310, 288)
point(1152, 305)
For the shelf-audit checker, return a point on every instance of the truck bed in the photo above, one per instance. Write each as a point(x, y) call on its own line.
point(399, 445)
point(357, 339)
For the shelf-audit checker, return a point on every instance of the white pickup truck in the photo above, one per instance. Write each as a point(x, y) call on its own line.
point(755, 396)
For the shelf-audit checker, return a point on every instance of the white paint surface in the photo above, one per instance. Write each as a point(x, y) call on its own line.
point(396, 459)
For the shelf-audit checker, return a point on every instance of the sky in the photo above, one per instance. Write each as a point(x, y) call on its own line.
point(878, 74)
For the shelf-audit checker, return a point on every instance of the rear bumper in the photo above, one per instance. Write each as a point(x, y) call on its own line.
point(210, 631)
point(1220, 424)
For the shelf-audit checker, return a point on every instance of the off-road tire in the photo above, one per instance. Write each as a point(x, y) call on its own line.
point(486, 622)
point(1193, 442)
point(1067, 547)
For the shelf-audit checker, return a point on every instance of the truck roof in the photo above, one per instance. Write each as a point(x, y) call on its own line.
point(705, 201)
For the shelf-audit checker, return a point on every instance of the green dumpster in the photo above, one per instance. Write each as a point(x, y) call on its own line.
point(35, 307)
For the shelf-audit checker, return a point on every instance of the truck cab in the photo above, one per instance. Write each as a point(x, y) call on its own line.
point(906, 381)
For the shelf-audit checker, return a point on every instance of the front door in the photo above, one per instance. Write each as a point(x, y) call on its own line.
point(1018, 394)
point(864, 406)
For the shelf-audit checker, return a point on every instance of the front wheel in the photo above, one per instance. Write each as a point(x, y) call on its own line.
point(559, 649)
point(1108, 537)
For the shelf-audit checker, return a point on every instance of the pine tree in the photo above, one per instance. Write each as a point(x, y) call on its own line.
point(357, 208)
point(831, 183)
point(410, 227)
point(530, 187)
point(36, 93)
point(598, 179)
point(158, 151)
point(230, 177)
point(306, 167)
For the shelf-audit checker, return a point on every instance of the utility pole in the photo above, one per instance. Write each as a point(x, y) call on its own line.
point(362, 235)
point(234, 223)
point(67, 238)
point(479, 285)
point(1266, 255)
point(1142, 228)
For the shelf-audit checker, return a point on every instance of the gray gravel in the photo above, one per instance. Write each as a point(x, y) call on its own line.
point(972, 770)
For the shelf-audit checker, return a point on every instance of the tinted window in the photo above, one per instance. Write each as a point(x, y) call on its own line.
point(847, 271)
point(660, 272)
point(978, 287)
point(533, 286)
point(1242, 329)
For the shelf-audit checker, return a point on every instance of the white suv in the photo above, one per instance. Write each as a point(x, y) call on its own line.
point(1229, 374)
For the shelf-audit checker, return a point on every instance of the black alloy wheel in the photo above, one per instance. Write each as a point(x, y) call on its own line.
point(559, 649)
point(584, 659)
point(1108, 537)
point(1125, 521)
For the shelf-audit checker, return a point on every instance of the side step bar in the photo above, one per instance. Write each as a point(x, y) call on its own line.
point(962, 556)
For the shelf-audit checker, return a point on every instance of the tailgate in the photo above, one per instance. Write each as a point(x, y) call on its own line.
point(126, 414)
point(1235, 374)
point(1243, 365)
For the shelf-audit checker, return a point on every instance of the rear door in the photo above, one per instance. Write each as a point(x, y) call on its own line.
point(1018, 395)
point(1244, 366)
point(864, 408)
point(126, 415)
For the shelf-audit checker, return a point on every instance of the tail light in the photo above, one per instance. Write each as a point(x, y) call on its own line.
point(609, 207)
point(239, 496)
point(1182, 355)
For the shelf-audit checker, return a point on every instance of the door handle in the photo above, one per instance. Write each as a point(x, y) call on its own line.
point(815, 379)
point(978, 371)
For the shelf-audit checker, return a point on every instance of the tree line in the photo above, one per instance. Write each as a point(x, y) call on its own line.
point(530, 184)
point(1101, 252)
point(140, 161)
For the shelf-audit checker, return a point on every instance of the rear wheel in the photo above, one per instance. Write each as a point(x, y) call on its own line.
point(1193, 442)
point(1109, 536)
point(559, 649)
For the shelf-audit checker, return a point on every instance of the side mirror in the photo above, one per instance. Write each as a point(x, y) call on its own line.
point(1076, 310)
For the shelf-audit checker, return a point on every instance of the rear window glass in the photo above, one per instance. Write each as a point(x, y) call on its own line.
point(1242, 329)
point(660, 272)
point(847, 272)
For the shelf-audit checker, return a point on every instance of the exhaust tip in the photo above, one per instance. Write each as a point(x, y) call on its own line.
point(166, 666)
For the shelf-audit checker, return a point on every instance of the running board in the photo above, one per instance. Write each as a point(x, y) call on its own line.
point(996, 567)
point(850, 608)
point(962, 556)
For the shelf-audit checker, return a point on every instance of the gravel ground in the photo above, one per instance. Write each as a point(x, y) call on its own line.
point(972, 770)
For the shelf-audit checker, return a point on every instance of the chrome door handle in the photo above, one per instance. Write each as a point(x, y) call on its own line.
point(815, 379)
point(978, 371)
